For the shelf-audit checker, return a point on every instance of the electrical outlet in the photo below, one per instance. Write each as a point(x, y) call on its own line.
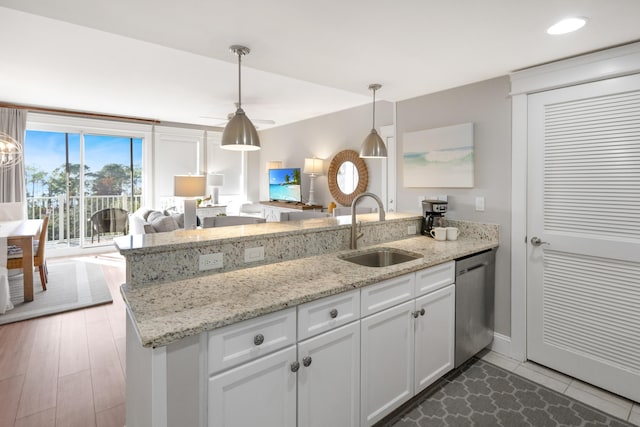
point(411, 229)
point(210, 261)
point(479, 204)
point(254, 254)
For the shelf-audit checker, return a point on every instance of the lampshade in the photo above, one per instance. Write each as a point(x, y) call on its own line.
point(373, 146)
point(274, 164)
point(215, 180)
point(240, 134)
point(313, 166)
point(10, 150)
point(189, 185)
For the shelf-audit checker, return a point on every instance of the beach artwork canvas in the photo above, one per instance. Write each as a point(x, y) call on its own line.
point(441, 158)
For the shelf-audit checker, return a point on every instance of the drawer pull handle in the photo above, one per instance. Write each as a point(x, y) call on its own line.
point(295, 366)
point(258, 339)
point(306, 361)
point(422, 312)
point(333, 313)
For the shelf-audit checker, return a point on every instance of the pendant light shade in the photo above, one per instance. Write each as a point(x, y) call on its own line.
point(373, 146)
point(240, 134)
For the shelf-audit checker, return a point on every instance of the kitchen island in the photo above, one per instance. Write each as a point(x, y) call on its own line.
point(169, 321)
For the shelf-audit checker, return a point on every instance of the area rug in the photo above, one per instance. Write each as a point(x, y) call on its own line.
point(72, 285)
point(482, 394)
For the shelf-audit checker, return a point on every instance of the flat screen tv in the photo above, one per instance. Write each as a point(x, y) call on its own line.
point(284, 185)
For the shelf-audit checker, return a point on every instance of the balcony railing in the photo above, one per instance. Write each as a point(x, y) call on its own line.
point(65, 224)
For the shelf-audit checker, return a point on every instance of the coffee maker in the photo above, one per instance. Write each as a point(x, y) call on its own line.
point(432, 215)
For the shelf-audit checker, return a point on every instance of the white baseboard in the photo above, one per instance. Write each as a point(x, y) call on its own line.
point(501, 344)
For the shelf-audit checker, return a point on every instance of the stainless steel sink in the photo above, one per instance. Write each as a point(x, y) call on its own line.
point(381, 257)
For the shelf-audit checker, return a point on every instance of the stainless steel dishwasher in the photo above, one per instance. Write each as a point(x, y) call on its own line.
point(475, 283)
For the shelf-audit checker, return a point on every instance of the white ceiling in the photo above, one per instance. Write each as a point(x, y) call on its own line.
point(169, 60)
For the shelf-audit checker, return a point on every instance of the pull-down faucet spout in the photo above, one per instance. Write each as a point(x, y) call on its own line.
point(354, 228)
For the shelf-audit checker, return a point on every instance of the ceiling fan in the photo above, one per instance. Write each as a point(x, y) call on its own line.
point(223, 120)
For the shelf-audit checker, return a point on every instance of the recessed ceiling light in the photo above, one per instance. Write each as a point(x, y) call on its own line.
point(567, 25)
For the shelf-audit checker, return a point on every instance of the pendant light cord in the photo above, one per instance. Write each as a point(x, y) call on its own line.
point(239, 79)
point(374, 109)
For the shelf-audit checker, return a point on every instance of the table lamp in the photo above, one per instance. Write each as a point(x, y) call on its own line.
point(189, 187)
point(215, 180)
point(313, 167)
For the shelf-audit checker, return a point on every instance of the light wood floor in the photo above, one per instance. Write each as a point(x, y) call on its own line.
point(67, 369)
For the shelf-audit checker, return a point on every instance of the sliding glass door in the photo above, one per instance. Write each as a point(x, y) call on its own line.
point(81, 181)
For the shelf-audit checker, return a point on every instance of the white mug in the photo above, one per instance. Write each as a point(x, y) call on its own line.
point(439, 233)
point(452, 233)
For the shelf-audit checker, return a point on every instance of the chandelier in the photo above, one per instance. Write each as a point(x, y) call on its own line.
point(10, 150)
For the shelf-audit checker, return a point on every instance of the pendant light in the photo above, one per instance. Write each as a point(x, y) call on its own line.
point(373, 147)
point(240, 134)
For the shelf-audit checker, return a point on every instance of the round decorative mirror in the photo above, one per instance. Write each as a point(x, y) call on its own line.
point(347, 176)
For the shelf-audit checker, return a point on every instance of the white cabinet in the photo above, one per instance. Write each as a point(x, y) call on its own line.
point(259, 393)
point(408, 346)
point(387, 361)
point(252, 385)
point(271, 210)
point(209, 211)
point(346, 360)
point(329, 378)
point(434, 336)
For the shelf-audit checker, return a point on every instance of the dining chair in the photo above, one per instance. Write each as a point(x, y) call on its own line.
point(16, 259)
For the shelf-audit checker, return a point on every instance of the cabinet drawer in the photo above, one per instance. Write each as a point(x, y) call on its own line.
point(327, 313)
point(244, 341)
point(434, 278)
point(387, 294)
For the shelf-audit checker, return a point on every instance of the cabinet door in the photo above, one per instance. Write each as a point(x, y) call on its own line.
point(258, 393)
point(387, 361)
point(329, 387)
point(434, 336)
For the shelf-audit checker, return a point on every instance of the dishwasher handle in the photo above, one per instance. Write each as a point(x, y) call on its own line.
point(475, 267)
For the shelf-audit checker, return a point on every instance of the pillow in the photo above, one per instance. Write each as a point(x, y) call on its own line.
point(153, 215)
point(148, 229)
point(164, 223)
point(179, 217)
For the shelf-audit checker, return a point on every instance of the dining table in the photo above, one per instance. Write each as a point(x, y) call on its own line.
point(21, 233)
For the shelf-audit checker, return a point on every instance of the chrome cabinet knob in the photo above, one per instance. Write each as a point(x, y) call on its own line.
point(422, 312)
point(295, 366)
point(333, 313)
point(258, 339)
point(306, 361)
point(415, 314)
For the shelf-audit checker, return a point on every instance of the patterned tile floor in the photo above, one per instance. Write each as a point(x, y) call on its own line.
point(483, 394)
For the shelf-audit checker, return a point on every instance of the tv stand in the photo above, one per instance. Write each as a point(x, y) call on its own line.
point(271, 209)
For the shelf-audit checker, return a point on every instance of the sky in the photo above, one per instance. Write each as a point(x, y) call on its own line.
point(46, 151)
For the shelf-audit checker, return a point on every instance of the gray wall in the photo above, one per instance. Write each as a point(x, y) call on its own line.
point(322, 137)
point(488, 106)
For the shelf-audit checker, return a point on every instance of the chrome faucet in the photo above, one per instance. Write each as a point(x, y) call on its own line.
point(354, 228)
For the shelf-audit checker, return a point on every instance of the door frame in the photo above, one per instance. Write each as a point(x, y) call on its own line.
point(615, 62)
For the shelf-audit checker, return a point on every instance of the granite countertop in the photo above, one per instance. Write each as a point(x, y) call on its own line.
point(165, 313)
point(178, 239)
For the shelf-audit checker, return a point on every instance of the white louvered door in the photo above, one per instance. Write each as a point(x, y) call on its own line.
point(583, 281)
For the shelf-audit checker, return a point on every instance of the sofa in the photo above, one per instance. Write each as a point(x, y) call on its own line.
point(146, 221)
